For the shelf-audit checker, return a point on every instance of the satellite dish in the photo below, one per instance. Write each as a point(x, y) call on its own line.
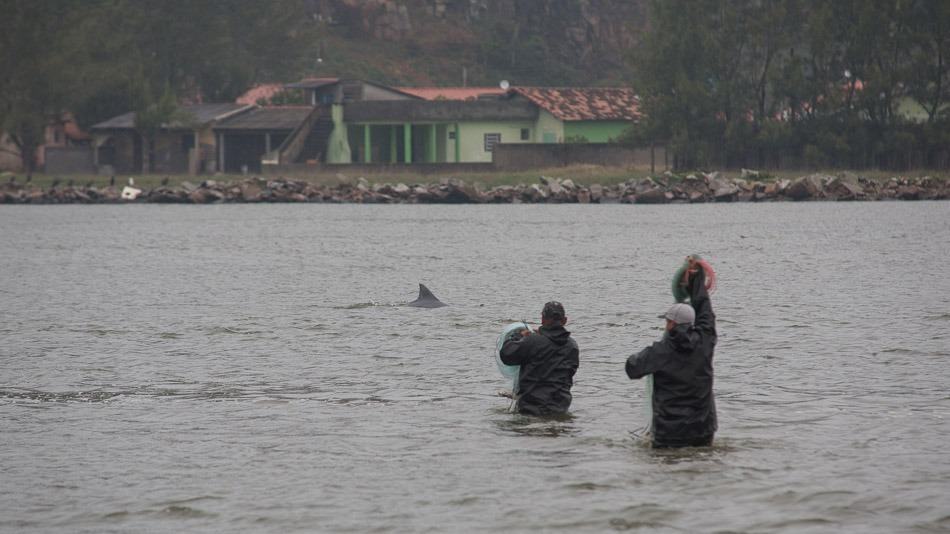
point(504, 85)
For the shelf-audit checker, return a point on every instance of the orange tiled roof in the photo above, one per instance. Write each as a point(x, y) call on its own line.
point(584, 103)
point(72, 131)
point(451, 93)
point(265, 91)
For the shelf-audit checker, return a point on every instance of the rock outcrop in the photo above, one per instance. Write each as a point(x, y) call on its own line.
point(664, 189)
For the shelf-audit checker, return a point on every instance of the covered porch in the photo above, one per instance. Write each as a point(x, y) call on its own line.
point(427, 132)
point(404, 142)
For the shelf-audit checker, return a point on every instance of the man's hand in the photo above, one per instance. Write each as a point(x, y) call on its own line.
point(695, 275)
point(692, 266)
point(692, 263)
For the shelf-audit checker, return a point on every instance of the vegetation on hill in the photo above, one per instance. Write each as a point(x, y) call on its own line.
point(798, 83)
point(772, 83)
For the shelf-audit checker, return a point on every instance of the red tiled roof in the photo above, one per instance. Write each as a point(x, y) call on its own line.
point(263, 91)
point(452, 93)
point(584, 103)
point(72, 131)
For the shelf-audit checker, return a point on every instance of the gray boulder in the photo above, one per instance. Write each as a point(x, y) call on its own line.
point(654, 196)
point(845, 188)
point(583, 196)
point(596, 192)
point(804, 188)
point(723, 190)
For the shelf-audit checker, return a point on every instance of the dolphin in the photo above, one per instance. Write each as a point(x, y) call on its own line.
point(426, 299)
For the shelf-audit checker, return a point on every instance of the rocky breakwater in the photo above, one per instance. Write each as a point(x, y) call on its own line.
point(664, 189)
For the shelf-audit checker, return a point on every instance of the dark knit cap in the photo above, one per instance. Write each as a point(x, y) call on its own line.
point(553, 310)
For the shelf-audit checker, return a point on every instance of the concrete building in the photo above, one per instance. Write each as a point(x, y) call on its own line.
point(359, 122)
point(185, 146)
point(62, 140)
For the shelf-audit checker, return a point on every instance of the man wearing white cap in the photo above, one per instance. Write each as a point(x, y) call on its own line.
point(684, 409)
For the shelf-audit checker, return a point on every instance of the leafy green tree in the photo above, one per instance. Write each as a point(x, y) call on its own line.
point(38, 70)
point(929, 82)
point(814, 81)
point(99, 58)
point(151, 116)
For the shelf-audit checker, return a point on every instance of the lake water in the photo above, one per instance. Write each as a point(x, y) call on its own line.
point(251, 368)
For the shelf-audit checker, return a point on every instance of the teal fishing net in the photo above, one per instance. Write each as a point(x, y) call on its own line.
point(508, 371)
point(680, 277)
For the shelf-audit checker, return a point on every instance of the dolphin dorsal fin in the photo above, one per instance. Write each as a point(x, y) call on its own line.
point(424, 293)
point(426, 299)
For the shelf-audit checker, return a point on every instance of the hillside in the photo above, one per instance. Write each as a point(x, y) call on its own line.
point(478, 42)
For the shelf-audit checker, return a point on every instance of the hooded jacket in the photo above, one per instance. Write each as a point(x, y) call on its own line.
point(684, 408)
point(548, 362)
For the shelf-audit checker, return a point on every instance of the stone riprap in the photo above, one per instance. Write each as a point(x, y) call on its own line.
point(664, 189)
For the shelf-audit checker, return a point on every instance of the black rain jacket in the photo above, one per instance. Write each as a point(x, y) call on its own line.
point(548, 361)
point(684, 409)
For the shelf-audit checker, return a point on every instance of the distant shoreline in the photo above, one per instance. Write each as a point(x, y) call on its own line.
point(664, 189)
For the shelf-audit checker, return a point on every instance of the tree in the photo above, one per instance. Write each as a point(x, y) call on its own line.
point(99, 58)
point(821, 81)
point(689, 72)
point(38, 66)
point(154, 115)
point(929, 82)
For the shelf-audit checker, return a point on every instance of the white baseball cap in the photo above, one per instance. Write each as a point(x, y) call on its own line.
point(680, 313)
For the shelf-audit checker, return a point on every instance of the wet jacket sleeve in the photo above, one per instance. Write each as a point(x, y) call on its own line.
point(645, 362)
point(705, 320)
point(516, 350)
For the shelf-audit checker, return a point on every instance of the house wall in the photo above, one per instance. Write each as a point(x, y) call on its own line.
point(472, 134)
point(549, 129)
point(168, 156)
point(338, 146)
point(442, 143)
point(207, 152)
point(55, 135)
point(386, 137)
point(119, 150)
point(69, 160)
point(595, 131)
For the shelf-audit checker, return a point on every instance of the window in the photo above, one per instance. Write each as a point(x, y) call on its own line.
point(187, 142)
point(525, 134)
point(491, 139)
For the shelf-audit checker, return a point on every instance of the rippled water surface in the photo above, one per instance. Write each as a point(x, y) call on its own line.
point(253, 369)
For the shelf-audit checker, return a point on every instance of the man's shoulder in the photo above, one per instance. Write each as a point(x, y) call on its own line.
point(660, 346)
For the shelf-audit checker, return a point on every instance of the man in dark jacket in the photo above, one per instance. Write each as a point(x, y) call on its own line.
point(548, 360)
point(684, 410)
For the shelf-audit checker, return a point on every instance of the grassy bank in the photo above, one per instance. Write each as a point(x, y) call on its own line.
point(580, 174)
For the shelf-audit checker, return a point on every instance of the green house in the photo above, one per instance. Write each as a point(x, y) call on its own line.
point(355, 121)
point(581, 114)
point(440, 127)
